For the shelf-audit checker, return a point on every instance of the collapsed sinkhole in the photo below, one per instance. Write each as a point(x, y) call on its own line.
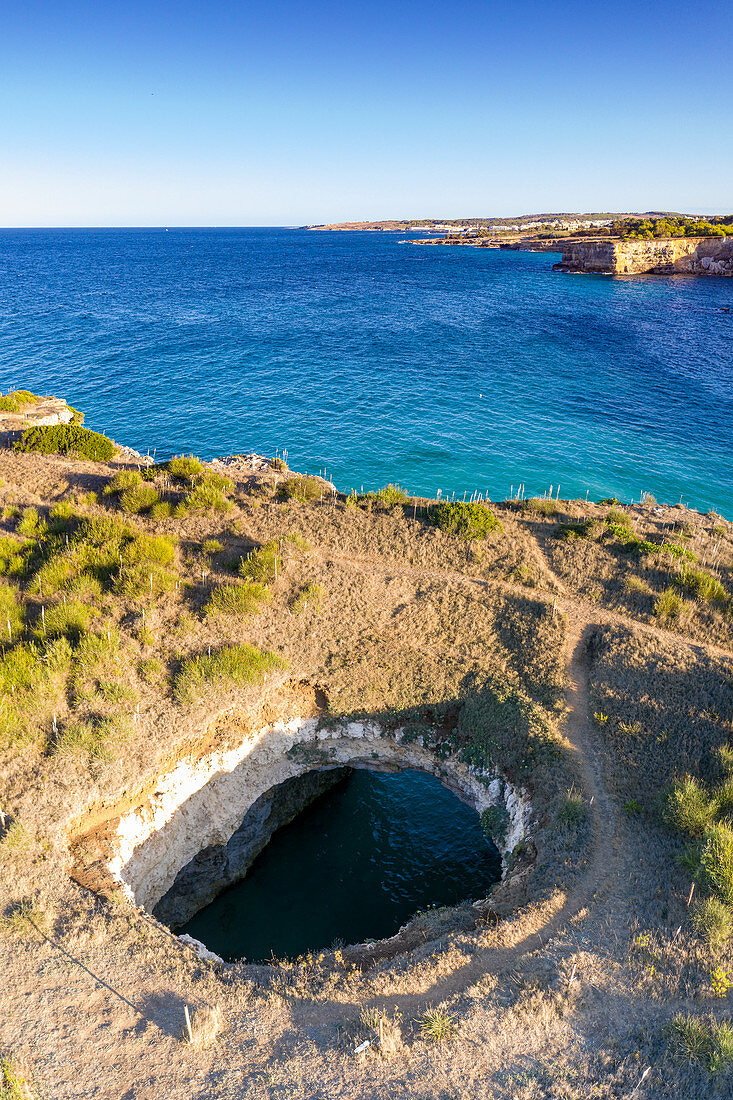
point(361, 851)
point(291, 804)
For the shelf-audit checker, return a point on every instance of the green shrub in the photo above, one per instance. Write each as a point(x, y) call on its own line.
point(713, 921)
point(689, 808)
point(139, 498)
point(278, 464)
point(204, 496)
point(261, 565)
point(302, 488)
point(18, 400)
point(309, 596)
point(716, 860)
point(67, 439)
point(184, 467)
point(700, 585)
point(618, 516)
point(237, 599)
point(468, 521)
point(230, 667)
point(211, 546)
point(668, 606)
point(392, 494)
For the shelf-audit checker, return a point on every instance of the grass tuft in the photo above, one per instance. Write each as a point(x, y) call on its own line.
point(713, 921)
point(238, 599)
point(228, 668)
point(436, 1025)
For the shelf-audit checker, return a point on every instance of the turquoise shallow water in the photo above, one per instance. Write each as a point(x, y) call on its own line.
point(441, 368)
point(355, 865)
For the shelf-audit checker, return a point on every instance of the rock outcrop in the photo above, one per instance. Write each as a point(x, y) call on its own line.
point(667, 256)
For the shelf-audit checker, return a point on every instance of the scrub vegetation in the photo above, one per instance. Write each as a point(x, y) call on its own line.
point(582, 652)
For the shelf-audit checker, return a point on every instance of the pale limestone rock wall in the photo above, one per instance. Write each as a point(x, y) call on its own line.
point(202, 803)
point(674, 256)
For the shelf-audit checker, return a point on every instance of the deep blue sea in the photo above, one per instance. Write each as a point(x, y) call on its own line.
point(456, 369)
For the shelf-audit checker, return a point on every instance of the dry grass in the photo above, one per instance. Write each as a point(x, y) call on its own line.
point(416, 626)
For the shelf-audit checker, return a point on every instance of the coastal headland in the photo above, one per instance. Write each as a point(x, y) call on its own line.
point(192, 646)
point(610, 244)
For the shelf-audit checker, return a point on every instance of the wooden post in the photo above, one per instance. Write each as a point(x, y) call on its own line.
point(188, 1024)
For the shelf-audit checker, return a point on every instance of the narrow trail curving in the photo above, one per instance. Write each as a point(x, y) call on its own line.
point(582, 620)
point(545, 923)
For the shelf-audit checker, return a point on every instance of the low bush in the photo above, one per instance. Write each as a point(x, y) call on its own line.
point(11, 613)
point(571, 810)
point(32, 680)
point(302, 488)
point(70, 620)
point(67, 439)
point(12, 563)
point(540, 506)
point(30, 525)
point(495, 823)
point(261, 565)
point(689, 808)
point(14, 1082)
point(93, 738)
point(228, 668)
point(392, 494)
point(668, 606)
point(205, 496)
point(713, 921)
point(468, 521)
point(184, 467)
point(700, 585)
point(237, 599)
point(618, 516)
point(716, 860)
point(18, 400)
point(139, 498)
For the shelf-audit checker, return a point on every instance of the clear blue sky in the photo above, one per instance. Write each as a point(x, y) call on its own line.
point(284, 112)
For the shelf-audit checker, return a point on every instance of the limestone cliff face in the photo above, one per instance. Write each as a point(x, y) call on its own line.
point(674, 256)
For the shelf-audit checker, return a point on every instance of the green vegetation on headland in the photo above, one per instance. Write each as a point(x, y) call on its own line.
point(66, 439)
point(648, 229)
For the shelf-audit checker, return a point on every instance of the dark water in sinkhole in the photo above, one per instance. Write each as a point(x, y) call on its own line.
point(355, 865)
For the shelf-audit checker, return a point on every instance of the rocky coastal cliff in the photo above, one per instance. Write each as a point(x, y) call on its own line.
point(672, 256)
